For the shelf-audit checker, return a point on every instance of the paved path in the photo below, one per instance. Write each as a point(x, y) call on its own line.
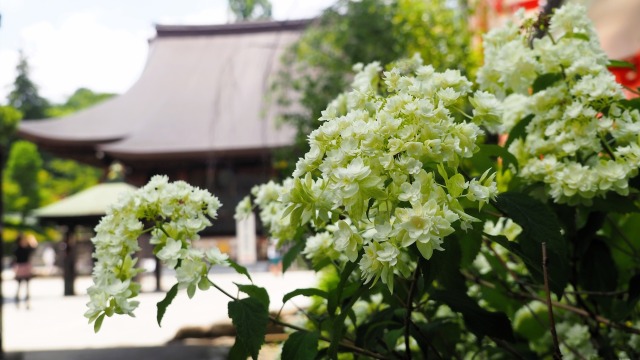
point(55, 322)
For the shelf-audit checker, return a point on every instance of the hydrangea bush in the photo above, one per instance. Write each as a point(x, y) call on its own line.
point(431, 240)
point(578, 139)
point(173, 214)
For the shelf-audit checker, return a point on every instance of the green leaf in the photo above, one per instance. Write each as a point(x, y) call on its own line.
point(255, 292)
point(304, 292)
point(478, 320)
point(391, 337)
point(598, 272)
point(470, 244)
point(336, 296)
point(492, 152)
point(539, 224)
point(545, 80)
point(440, 335)
point(162, 305)
point(634, 290)
point(455, 184)
point(580, 36)
point(250, 317)
point(296, 215)
point(240, 269)
point(519, 130)
point(620, 64)
point(615, 203)
point(444, 267)
point(301, 345)
point(631, 104)
point(98, 324)
point(191, 290)
point(291, 255)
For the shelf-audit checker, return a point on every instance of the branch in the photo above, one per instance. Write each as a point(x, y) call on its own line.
point(343, 344)
point(557, 354)
point(407, 317)
point(573, 309)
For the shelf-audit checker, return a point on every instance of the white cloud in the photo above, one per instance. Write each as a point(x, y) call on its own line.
point(82, 52)
point(212, 15)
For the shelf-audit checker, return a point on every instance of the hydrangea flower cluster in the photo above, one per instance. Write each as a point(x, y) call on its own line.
point(383, 169)
point(267, 199)
point(173, 214)
point(581, 141)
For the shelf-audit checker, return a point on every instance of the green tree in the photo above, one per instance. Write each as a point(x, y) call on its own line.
point(9, 119)
point(24, 95)
point(245, 10)
point(23, 165)
point(63, 177)
point(319, 66)
point(80, 99)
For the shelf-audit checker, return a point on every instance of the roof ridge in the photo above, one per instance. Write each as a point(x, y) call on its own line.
point(233, 28)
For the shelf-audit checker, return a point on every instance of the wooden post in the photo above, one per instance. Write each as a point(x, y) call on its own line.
point(69, 265)
point(158, 273)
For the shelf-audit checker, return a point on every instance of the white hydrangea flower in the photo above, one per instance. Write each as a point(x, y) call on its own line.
point(175, 213)
point(369, 172)
point(243, 209)
point(577, 123)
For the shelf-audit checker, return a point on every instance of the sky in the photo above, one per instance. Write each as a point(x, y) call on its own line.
point(101, 44)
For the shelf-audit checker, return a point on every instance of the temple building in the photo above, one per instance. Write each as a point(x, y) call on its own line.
point(199, 112)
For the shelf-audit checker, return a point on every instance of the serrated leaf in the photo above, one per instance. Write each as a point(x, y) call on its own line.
point(98, 324)
point(304, 292)
point(545, 80)
point(250, 317)
point(519, 130)
point(240, 269)
point(301, 345)
point(255, 292)
point(162, 305)
point(539, 224)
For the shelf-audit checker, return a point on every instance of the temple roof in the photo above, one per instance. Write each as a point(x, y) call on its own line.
point(203, 92)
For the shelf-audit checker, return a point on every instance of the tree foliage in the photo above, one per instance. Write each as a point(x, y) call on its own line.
point(80, 99)
point(246, 10)
point(23, 165)
point(25, 96)
point(9, 119)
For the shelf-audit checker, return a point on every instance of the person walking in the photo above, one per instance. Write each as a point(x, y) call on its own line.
point(25, 246)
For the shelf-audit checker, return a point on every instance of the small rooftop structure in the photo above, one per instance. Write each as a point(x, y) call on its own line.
point(90, 203)
point(84, 208)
